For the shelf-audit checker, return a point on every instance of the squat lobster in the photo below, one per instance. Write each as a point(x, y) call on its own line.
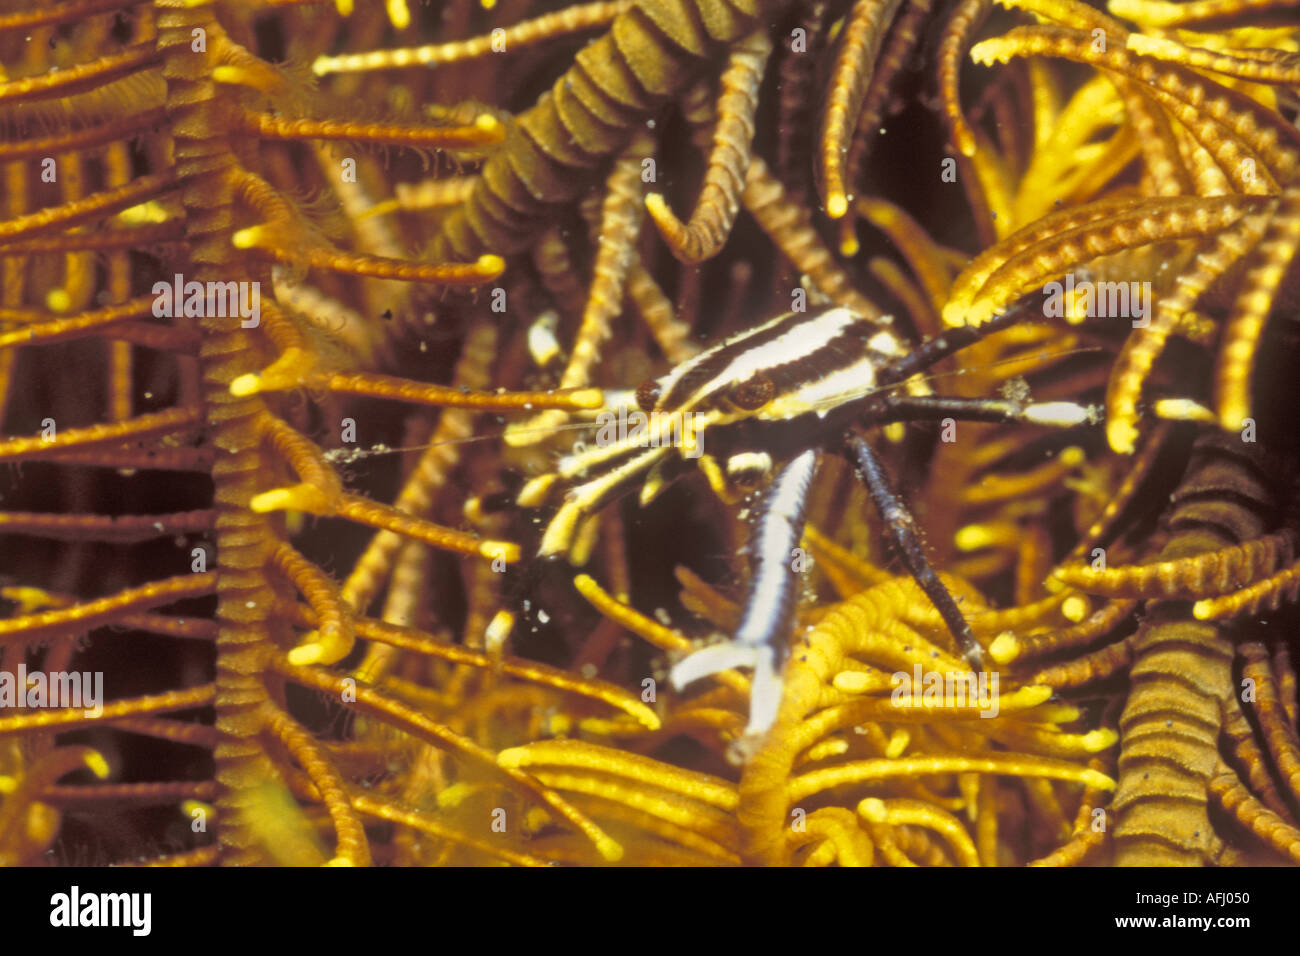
point(767, 402)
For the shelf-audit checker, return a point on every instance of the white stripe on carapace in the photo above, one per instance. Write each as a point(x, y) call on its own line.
point(669, 381)
point(824, 394)
point(800, 341)
point(804, 336)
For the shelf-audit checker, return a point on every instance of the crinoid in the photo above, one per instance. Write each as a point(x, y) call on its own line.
point(303, 303)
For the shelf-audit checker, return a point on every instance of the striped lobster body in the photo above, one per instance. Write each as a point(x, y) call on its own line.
point(768, 402)
point(763, 402)
point(750, 403)
point(794, 364)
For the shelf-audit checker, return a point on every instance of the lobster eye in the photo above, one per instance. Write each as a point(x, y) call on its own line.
point(647, 393)
point(753, 394)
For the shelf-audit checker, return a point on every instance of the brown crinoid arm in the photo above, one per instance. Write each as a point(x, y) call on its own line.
point(1182, 669)
point(651, 52)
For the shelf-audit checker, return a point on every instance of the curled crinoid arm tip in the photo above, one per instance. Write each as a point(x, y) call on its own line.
point(766, 689)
